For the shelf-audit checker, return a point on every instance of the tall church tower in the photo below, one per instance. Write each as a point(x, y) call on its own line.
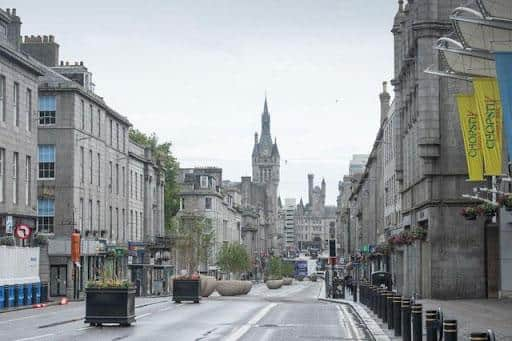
point(265, 173)
point(265, 154)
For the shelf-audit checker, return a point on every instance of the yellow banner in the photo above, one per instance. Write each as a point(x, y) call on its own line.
point(470, 127)
point(487, 97)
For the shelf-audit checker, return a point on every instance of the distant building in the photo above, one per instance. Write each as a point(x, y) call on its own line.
point(315, 222)
point(290, 207)
point(260, 209)
point(357, 164)
point(202, 194)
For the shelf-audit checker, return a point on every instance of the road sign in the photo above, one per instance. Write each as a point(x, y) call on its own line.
point(8, 224)
point(22, 231)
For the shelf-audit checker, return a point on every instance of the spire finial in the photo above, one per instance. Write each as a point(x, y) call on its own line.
point(401, 5)
point(265, 106)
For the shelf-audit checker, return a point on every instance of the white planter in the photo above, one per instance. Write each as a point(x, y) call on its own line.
point(230, 288)
point(274, 283)
point(247, 287)
point(208, 285)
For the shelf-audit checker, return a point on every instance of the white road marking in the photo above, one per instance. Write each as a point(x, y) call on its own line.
point(238, 333)
point(138, 317)
point(35, 337)
point(165, 309)
point(85, 328)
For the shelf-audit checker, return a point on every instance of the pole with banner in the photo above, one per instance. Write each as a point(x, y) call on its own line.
point(75, 259)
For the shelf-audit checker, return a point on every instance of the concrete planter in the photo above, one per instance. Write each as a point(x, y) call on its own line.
point(287, 281)
point(208, 285)
point(247, 287)
point(274, 283)
point(229, 288)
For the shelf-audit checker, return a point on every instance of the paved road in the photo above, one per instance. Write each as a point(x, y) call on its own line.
point(289, 313)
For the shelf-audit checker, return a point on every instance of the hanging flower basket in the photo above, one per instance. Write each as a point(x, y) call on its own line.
point(470, 213)
point(419, 233)
point(506, 202)
point(487, 210)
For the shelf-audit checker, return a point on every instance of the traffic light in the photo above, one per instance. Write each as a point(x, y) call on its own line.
point(332, 248)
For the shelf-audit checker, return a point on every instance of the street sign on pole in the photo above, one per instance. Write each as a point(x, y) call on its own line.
point(22, 232)
point(8, 224)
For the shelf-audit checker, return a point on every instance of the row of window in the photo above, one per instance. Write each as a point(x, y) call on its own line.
point(13, 177)
point(15, 107)
point(47, 161)
point(46, 219)
point(90, 121)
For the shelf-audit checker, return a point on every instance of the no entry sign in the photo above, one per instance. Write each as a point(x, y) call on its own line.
point(22, 231)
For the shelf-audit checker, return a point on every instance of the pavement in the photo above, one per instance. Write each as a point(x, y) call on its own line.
point(290, 313)
point(476, 315)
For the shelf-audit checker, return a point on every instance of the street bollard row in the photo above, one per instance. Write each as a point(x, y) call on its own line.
point(406, 317)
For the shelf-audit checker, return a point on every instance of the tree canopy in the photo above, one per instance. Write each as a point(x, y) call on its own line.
point(234, 258)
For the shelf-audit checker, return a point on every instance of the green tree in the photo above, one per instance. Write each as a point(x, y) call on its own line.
point(275, 268)
point(233, 258)
point(288, 269)
point(193, 238)
point(162, 152)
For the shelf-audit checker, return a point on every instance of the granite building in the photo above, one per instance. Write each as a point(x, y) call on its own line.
point(315, 222)
point(18, 130)
point(83, 182)
point(204, 194)
point(259, 196)
point(430, 163)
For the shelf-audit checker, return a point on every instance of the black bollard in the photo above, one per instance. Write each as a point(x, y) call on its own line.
point(479, 337)
point(354, 292)
point(431, 324)
point(385, 306)
point(372, 298)
point(379, 303)
point(417, 319)
point(389, 309)
point(450, 330)
point(406, 319)
point(397, 319)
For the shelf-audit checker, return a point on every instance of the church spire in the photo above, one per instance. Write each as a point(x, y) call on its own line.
point(266, 138)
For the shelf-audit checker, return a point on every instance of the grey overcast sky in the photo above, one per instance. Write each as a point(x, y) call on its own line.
point(195, 72)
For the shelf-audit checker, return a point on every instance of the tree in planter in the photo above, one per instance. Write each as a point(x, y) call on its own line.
point(275, 268)
point(193, 238)
point(234, 258)
point(288, 269)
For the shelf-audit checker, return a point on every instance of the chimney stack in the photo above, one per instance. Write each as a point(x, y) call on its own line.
point(384, 103)
point(42, 48)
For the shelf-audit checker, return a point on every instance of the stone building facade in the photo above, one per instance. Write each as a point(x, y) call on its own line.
point(345, 231)
point(315, 222)
point(83, 179)
point(18, 129)
point(259, 198)
point(149, 254)
point(430, 166)
point(203, 194)
point(416, 173)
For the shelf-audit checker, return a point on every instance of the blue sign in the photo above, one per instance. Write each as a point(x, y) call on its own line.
point(504, 71)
